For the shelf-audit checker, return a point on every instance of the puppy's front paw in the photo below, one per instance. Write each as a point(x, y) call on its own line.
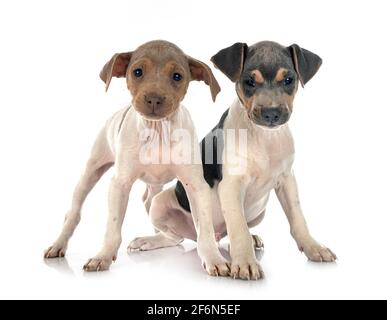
point(98, 264)
point(217, 266)
point(246, 269)
point(317, 253)
point(55, 251)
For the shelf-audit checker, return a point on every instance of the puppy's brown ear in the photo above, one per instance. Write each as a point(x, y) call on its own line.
point(202, 72)
point(115, 67)
point(231, 60)
point(306, 63)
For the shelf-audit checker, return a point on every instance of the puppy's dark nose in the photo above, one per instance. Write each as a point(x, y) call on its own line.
point(271, 115)
point(154, 101)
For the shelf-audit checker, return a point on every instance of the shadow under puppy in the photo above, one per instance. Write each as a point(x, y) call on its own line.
point(157, 75)
point(266, 77)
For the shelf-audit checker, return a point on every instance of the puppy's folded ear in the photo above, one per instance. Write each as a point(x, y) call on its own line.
point(231, 60)
point(306, 63)
point(202, 72)
point(115, 67)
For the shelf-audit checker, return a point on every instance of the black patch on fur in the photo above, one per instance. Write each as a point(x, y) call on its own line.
point(211, 146)
point(181, 196)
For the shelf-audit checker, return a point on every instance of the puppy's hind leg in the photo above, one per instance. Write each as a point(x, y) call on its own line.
point(149, 194)
point(257, 240)
point(170, 220)
point(100, 161)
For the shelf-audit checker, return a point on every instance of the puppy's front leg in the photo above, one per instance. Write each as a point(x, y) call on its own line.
point(200, 197)
point(119, 190)
point(287, 194)
point(244, 263)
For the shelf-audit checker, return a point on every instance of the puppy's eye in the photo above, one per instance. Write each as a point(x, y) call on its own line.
point(250, 82)
point(177, 76)
point(288, 81)
point(137, 72)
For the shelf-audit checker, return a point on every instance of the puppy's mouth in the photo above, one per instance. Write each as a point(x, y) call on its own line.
point(155, 114)
point(269, 127)
point(266, 125)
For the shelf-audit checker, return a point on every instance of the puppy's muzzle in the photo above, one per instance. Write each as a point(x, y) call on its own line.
point(154, 101)
point(154, 106)
point(272, 116)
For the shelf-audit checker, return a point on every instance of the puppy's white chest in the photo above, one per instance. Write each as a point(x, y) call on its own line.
point(265, 170)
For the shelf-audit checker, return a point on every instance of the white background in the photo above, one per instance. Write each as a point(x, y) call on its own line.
point(52, 104)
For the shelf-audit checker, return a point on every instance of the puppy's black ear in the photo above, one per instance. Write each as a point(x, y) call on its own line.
point(305, 63)
point(231, 60)
point(115, 67)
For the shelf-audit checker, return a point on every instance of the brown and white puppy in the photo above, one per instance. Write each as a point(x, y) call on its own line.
point(157, 75)
point(242, 168)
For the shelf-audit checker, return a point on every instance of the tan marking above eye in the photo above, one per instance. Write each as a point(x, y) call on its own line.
point(281, 73)
point(258, 76)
